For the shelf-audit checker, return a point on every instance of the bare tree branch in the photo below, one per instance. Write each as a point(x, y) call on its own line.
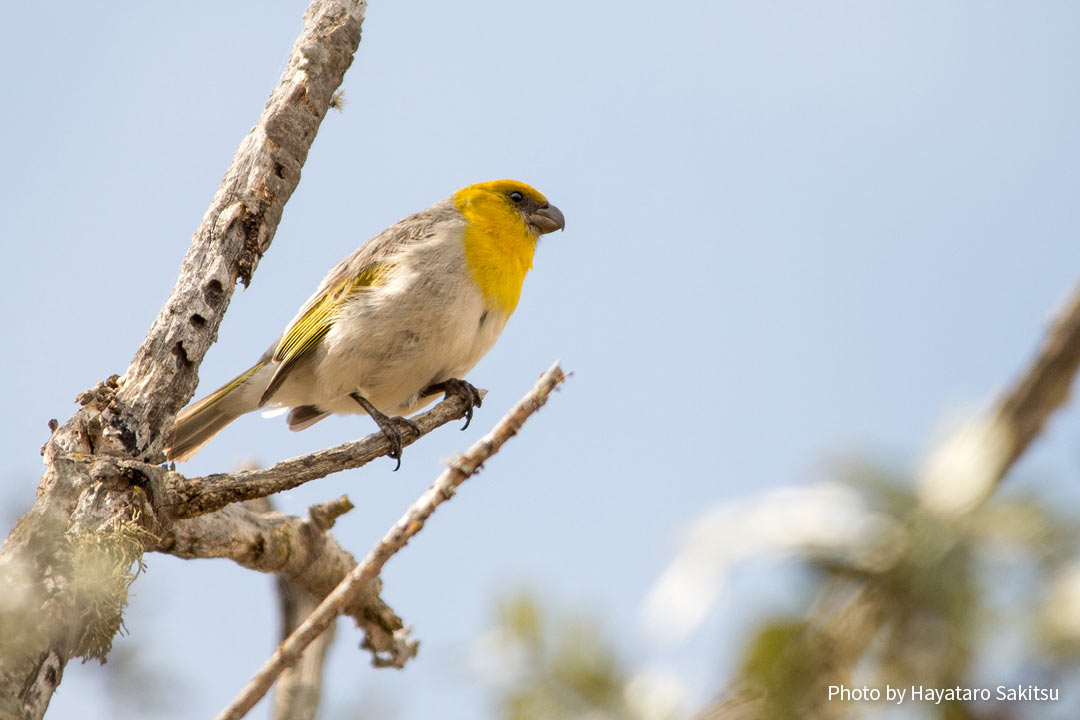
point(187, 497)
point(299, 689)
point(297, 692)
point(67, 562)
point(237, 228)
point(303, 553)
point(459, 470)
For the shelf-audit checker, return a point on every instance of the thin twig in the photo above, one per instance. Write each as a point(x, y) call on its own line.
point(459, 470)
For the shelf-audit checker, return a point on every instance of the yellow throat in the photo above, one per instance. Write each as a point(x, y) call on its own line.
point(498, 243)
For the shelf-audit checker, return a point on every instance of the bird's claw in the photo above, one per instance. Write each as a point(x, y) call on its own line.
point(389, 427)
point(464, 390)
point(408, 423)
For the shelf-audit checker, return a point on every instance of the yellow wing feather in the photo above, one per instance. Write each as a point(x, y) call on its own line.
point(312, 326)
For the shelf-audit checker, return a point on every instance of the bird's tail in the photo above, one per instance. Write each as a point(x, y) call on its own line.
point(197, 423)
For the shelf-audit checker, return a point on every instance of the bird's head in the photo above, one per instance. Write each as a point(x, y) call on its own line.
point(510, 201)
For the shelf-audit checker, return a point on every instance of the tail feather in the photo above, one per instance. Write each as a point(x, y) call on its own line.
point(197, 423)
point(304, 416)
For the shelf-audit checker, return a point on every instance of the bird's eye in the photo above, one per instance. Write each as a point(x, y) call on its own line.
point(516, 196)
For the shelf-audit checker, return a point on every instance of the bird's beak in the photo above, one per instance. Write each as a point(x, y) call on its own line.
point(548, 219)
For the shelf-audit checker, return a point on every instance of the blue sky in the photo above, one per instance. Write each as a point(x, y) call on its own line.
point(795, 231)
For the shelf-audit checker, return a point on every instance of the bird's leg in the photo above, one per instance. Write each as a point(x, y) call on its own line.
point(464, 390)
point(388, 425)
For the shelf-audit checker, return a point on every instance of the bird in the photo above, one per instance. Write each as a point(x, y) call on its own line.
point(398, 322)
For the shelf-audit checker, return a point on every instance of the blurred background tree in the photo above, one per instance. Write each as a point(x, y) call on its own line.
point(935, 581)
point(987, 598)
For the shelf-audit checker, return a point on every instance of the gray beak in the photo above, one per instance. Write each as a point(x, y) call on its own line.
point(548, 219)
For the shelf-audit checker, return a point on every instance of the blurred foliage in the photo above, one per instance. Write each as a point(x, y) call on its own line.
point(555, 668)
point(924, 617)
point(927, 600)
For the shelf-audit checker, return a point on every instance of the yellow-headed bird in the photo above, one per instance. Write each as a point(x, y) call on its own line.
point(396, 323)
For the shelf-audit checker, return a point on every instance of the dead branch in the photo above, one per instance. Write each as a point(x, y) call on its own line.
point(458, 471)
point(91, 504)
point(303, 554)
point(299, 689)
point(187, 497)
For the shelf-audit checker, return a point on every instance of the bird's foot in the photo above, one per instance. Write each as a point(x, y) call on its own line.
point(464, 390)
point(388, 425)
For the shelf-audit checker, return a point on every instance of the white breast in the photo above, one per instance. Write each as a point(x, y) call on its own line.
point(426, 323)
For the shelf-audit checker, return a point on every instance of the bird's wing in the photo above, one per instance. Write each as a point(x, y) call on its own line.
point(365, 268)
point(309, 328)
